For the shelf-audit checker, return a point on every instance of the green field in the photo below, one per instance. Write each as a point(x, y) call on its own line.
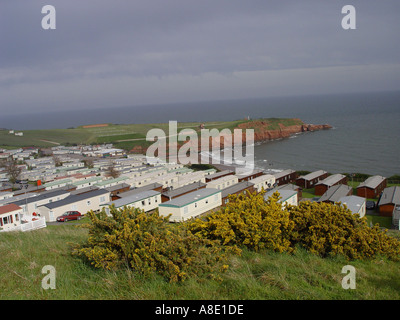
point(253, 276)
point(124, 136)
point(44, 138)
point(273, 123)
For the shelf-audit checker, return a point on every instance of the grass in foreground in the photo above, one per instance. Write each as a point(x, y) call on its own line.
point(265, 275)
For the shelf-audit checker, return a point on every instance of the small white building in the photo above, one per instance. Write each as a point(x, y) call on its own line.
point(189, 178)
point(109, 152)
point(396, 217)
point(30, 205)
point(111, 182)
point(355, 204)
point(145, 200)
point(266, 182)
point(83, 203)
point(168, 180)
point(73, 164)
point(224, 182)
point(85, 183)
point(6, 195)
point(191, 205)
point(289, 197)
point(57, 184)
point(10, 217)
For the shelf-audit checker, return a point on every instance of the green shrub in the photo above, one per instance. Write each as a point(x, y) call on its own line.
point(148, 244)
point(302, 172)
point(321, 228)
point(248, 220)
point(357, 176)
point(201, 166)
point(331, 229)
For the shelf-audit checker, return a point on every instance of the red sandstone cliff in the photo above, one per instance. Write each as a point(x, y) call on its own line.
point(262, 132)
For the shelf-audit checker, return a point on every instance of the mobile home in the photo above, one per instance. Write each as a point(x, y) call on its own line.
point(191, 205)
point(83, 203)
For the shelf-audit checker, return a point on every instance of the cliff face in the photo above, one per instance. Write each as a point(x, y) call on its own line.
point(262, 133)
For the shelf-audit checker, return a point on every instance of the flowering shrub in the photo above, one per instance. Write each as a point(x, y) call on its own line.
point(332, 229)
point(147, 244)
point(322, 228)
point(248, 220)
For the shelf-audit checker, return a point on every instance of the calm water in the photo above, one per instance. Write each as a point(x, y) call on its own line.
point(365, 137)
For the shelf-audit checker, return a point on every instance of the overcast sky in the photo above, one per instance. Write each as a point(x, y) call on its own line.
point(110, 53)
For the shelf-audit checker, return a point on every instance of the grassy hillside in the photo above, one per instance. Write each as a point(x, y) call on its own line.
point(124, 136)
point(264, 275)
point(44, 138)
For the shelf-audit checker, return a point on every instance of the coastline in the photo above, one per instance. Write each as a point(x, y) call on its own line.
point(264, 130)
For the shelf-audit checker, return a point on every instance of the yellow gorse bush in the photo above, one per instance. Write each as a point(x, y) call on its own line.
point(322, 228)
point(148, 244)
point(332, 229)
point(248, 220)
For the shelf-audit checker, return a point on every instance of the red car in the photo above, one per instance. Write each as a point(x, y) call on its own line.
point(69, 215)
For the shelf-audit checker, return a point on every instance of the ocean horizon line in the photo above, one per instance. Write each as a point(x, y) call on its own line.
point(104, 114)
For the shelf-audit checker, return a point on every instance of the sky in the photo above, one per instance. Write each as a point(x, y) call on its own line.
point(113, 53)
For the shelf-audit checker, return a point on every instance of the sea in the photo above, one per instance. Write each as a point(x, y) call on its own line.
point(365, 137)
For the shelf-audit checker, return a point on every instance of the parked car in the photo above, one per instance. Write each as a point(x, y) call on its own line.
point(370, 205)
point(69, 215)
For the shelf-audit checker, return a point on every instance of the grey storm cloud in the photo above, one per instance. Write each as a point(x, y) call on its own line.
point(111, 53)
